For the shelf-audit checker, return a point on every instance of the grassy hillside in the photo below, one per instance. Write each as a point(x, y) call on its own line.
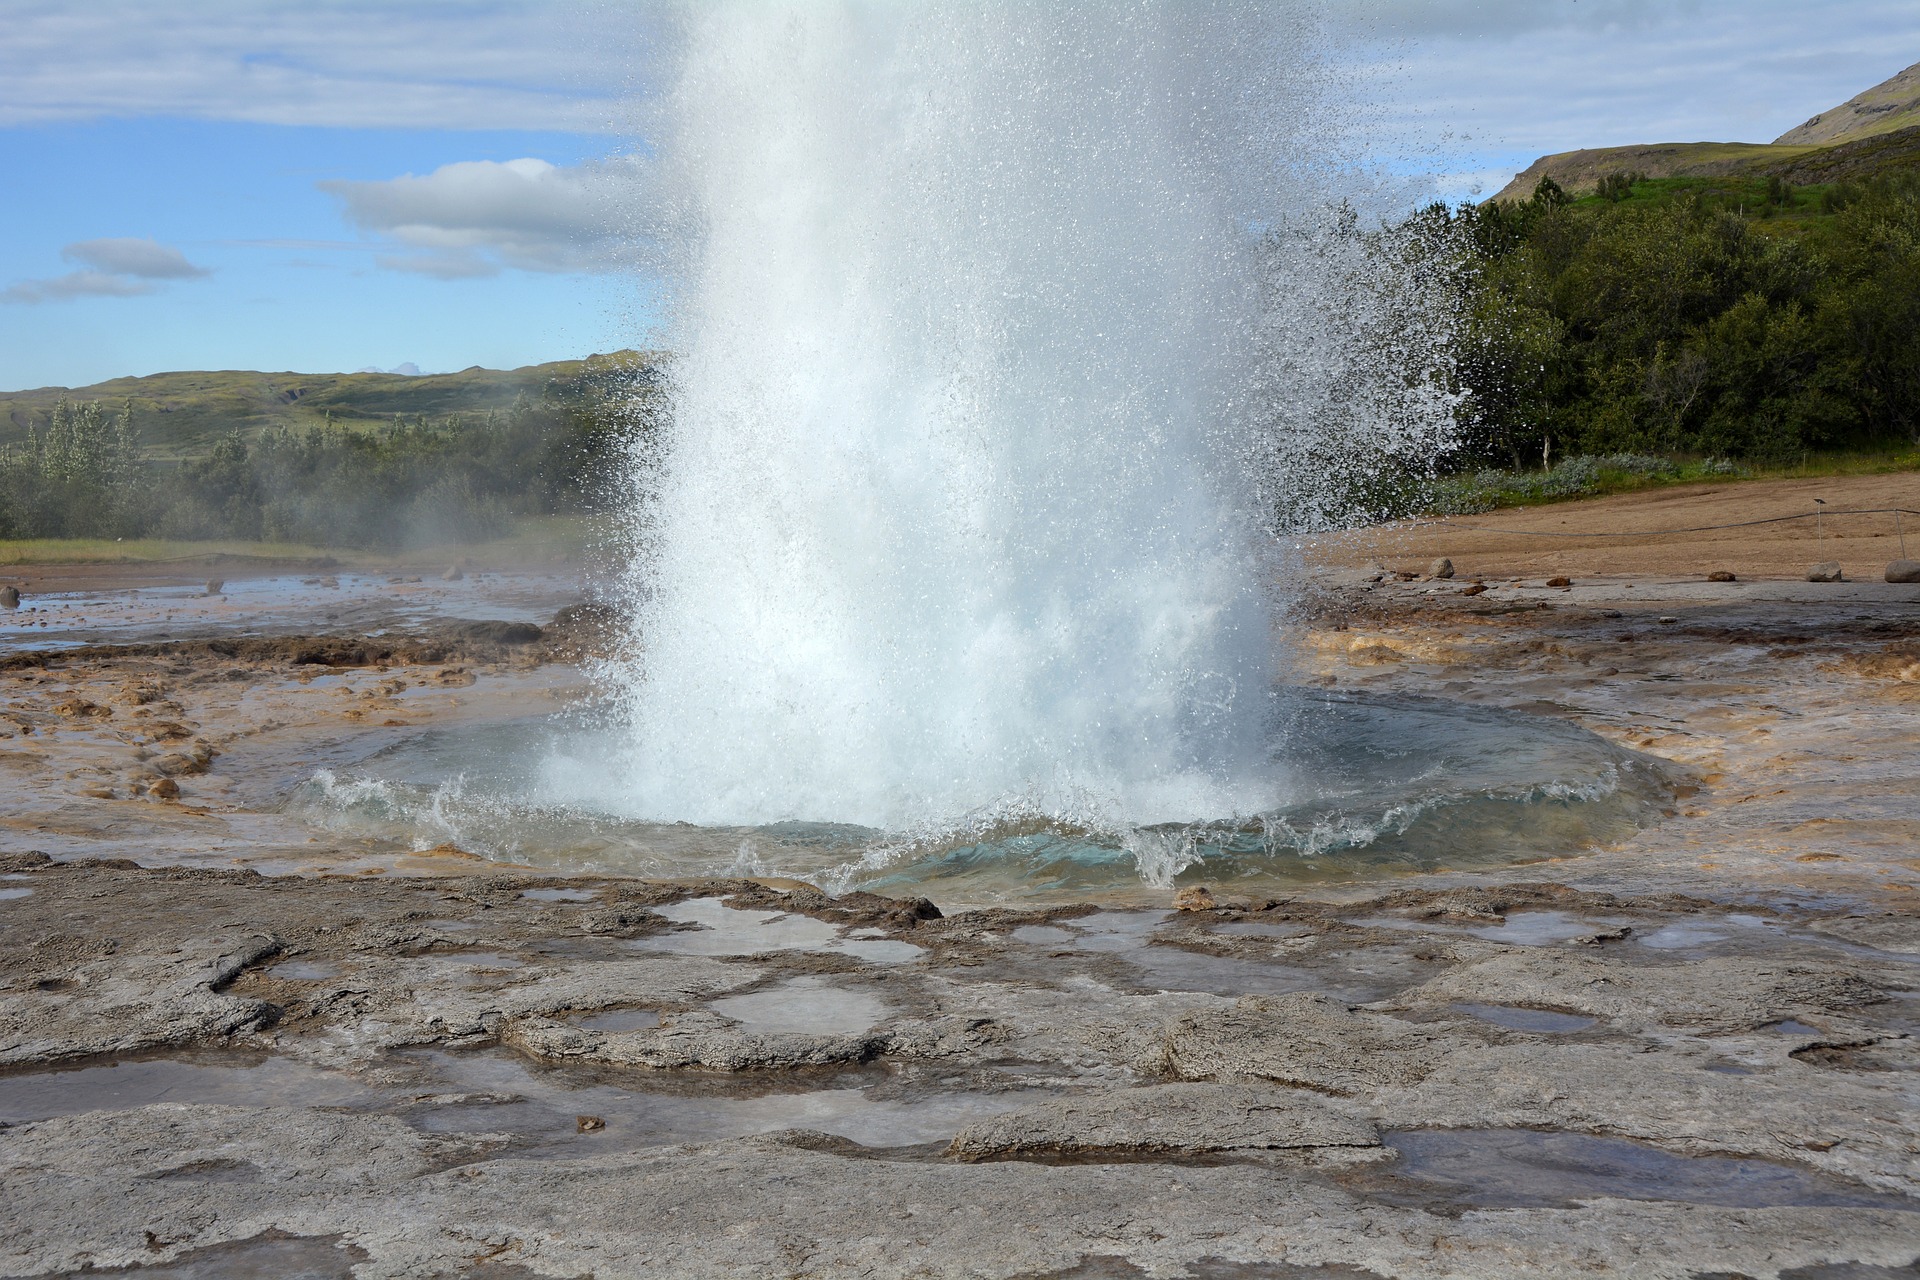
point(1878, 129)
point(182, 415)
point(1890, 105)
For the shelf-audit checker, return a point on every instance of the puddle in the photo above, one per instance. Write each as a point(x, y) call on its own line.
point(1519, 1019)
point(1522, 928)
point(547, 1104)
point(282, 1257)
point(879, 950)
point(1175, 969)
point(726, 931)
point(7, 894)
point(1117, 930)
point(1519, 1168)
point(1043, 935)
point(304, 970)
point(119, 1086)
point(450, 924)
point(730, 931)
point(561, 895)
point(806, 1005)
point(1675, 937)
point(1794, 1027)
point(619, 1020)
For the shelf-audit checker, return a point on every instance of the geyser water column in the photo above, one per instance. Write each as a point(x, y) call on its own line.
point(954, 521)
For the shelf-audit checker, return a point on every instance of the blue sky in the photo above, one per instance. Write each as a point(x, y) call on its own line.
point(342, 184)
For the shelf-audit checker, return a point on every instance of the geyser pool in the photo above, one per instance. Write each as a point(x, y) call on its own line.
point(994, 347)
point(1376, 785)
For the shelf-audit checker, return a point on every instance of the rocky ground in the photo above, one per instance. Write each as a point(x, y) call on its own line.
point(1692, 1055)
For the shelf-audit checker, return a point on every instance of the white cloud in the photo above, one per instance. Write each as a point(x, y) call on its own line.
point(460, 64)
point(475, 217)
point(120, 267)
point(127, 256)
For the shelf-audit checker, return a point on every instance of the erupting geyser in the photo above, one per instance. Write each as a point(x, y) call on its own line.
point(961, 516)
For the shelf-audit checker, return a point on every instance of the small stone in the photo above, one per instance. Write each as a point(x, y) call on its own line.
point(1826, 571)
point(1475, 589)
point(1721, 575)
point(98, 793)
point(215, 586)
point(1904, 571)
point(588, 1124)
point(1559, 582)
point(1195, 898)
point(9, 597)
point(1441, 568)
point(164, 789)
point(453, 574)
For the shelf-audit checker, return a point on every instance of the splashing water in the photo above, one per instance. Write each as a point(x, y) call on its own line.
point(1006, 334)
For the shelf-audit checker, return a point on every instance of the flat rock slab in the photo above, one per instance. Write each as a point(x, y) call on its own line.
point(1173, 1118)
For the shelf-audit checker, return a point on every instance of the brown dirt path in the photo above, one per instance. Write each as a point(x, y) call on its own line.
point(1625, 533)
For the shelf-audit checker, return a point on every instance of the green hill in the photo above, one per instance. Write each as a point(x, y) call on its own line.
point(1876, 130)
point(181, 415)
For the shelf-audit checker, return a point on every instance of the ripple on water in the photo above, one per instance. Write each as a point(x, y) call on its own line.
point(742, 931)
point(1521, 1168)
point(119, 1086)
point(802, 1005)
point(541, 1106)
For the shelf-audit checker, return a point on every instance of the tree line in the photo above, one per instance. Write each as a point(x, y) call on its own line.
point(1654, 319)
point(410, 481)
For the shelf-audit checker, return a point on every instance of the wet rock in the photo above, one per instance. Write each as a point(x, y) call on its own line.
point(1717, 993)
point(129, 1002)
point(1309, 1041)
point(81, 709)
point(1194, 898)
point(177, 764)
point(215, 586)
point(9, 597)
point(507, 633)
point(588, 1124)
point(164, 789)
point(1441, 568)
point(1826, 571)
point(1903, 571)
point(1478, 588)
point(1168, 1119)
point(454, 573)
point(1560, 582)
point(1721, 575)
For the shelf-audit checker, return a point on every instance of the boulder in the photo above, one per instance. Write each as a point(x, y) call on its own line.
point(215, 586)
point(9, 597)
point(1441, 568)
point(1475, 589)
point(1559, 582)
point(453, 574)
point(1721, 575)
point(1904, 571)
point(1826, 571)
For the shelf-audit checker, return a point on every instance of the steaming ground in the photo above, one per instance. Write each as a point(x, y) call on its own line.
point(1689, 1052)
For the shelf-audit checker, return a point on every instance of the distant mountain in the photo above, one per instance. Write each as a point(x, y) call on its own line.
point(1876, 129)
point(1892, 104)
point(182, 414)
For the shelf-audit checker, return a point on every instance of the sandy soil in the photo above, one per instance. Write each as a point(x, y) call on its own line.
point(1622, 536)
point(1689, 1054)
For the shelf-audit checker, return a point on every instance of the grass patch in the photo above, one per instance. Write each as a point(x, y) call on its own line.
point(540, 540)
point(1599, 476)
